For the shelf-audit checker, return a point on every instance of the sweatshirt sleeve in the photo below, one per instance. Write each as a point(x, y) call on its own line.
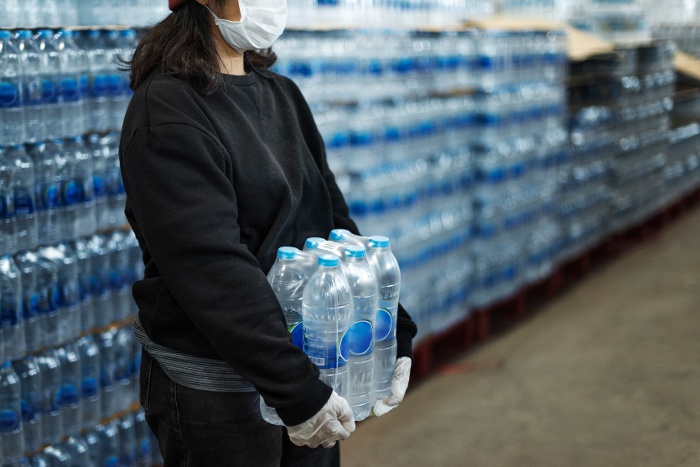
point(185, 207)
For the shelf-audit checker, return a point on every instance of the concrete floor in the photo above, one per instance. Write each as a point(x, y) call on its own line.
point(607, 374)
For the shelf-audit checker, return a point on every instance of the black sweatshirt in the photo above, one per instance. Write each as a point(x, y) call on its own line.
point(215, 185)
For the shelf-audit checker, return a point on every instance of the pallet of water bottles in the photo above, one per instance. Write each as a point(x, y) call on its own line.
point(340, 300)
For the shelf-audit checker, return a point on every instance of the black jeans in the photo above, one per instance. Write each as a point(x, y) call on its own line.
point(208, 429)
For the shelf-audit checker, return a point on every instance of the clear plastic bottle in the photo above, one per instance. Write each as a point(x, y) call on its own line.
point(35, 67)
point(50, 83)
point(79, 451)
point(57, 456)
point(11, 434)
point(99, 70)
point(81, 158)
point(116, 195)
point(143, 440)
point(90, 381)
point(46, 192)
point(51, 414)
point(7, 204)
point(24, 195)
point(388, 274)
point(109, 443)
point(69, 287)
point(87, 308)
point(128, 446)
point(326, 309)
point(99, 153)
point(73, 73)
point(101, 290)
point(69, 394)
point(26, 265)
point(48, 290)
point(364, 289)
point(119, 273)
point(288, 277)
point(11, 316)
point(31, 383)
point(93, 442)
point(11, 89)
point(123, 349)
point(108, 371)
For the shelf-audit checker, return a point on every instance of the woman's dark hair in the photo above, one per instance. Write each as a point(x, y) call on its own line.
point(182, 45)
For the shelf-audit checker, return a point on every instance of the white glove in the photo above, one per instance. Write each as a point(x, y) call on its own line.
point(333, 422)
point(399, 384)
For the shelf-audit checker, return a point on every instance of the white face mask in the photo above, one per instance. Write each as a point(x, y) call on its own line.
point(262, 22)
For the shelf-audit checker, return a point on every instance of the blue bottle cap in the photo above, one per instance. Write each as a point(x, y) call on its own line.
point(328, 261)
point(286, 252)
point(337, 235)
point(5, 35)
point(24, 34)
point(45, 33)
point(355, 251)
point(379, 241)
point(313, 242)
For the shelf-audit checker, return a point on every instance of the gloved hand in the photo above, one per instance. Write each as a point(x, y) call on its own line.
point(333, 422)
point(399, 384)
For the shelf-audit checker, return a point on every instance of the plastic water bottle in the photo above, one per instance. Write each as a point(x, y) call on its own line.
point(51, 414)
point(69, 285)
point(119, 274)
point(39, 460)
point(46, 192)
point(108, 370)
point(34, 66)
point(73, 75)
point(78, 450)
point(143, 440)
point(11, 90)
point(113, 79)
point(25, 206)
point(101, 291)
point(83, 194)
point(363, 286)
point(31, 383)
point(388, 275)
point(93, 442)
point(128, 446)
point(116, 195)
point(109, 443)
point(13, 339)
point(68, 190)
point(126, 44)
point(123, 350)
point(69, 393)
point(57, 456)
point(11, 435)
point(50, 82)
point(287, 277)
point(90, 381)
point(26, 265)
point(84, 261)
point(7, 204)
point(100, 69)
point(326, 309)
point(98, 150)
point(48, 290)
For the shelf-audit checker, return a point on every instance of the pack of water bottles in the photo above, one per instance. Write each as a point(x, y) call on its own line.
point(682, 170)
point(61, 84)
point(340, 299)
point(619, 21)
point(53, 13)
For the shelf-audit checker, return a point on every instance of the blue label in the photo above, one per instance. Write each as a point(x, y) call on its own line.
point(297, 332)
point(115, 280)
point(114, 85)
point(358, 340)
point(9, 94)
point(115, 185)
point(98, 186)
point(84, 87)
point(383, 325)
point(33, 92)
point(24, 201)
point(69, 294)
point(72, 193)
point(27, 411)
point(99, 86)
point(9, 421)
point(67, 395)
point(46, 196)
point(69, 90)
point(89, 387)
point(30, 307)
point(84, 287)
point(9, 313)
point(145, 450)
point(48, 91)
point(112, 461)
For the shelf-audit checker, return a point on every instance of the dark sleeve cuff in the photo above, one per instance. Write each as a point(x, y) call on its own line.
point(307, 407)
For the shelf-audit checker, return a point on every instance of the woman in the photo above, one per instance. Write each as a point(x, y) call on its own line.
point(222, 164)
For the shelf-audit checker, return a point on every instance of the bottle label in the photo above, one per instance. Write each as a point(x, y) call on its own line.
point(84, 292)
point(297, 332)
point(28, 413)
point(384, 328)
point(69, 90)
point(88, 190)
point(114, 183)
point(114, 85)
point(46, 196)
point(48, 91)
point(72, 193)
point(9, 421)
point(98, 186)
point(84, 87)
point(7, 205)
point(69, 294)
point(98, 287)
point(358, 340)
point(67, 394)
point(10, 311)
point(99, 85)
point(30, 306)
point(9, 95)
point(24, 201)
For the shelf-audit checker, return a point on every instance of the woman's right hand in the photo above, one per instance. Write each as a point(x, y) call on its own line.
point(332, 423)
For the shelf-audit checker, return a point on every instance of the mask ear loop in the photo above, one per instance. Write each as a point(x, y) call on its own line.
point(242, 6)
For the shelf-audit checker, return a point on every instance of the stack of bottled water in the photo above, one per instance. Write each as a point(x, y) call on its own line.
point(340, 299)
point(620, 21)
point(686, 35)
point(552, 10)
point(682, 170)
point(50, 13)
point(62, 84)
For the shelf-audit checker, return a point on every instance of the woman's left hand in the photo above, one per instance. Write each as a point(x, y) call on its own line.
point(399, 384)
